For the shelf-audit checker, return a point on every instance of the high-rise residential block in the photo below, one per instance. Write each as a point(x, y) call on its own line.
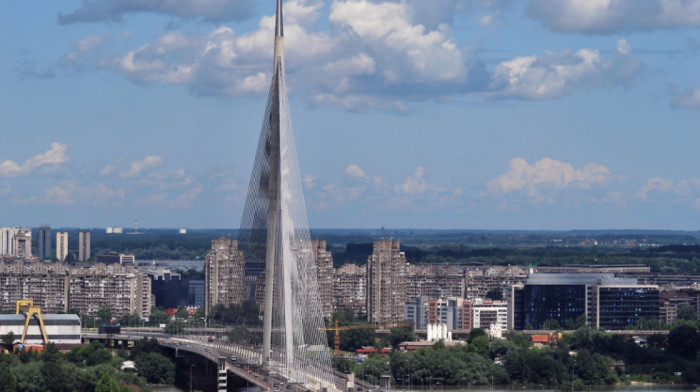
point(324, 274)
point(350, 288)
point(59, 288)
point(386, 283)
point(224, 271)
point(22, 243)
point(61, 245)
point(83, 246)
point(43, 234)
point(15, 242)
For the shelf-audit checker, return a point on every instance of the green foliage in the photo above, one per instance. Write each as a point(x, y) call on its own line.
point(105, 314)
point(686, 312)
point(8, 381)
point(8, 340)
point(247, 313)
point(176, 327)
point(399, 335)
point(551, 324)
point(342, 365)
point(684, 340)
point(144, 346)
point(157, 317)
point(474, 333)
point(130, 320)
point(155, 368)
point(107, 384)
point(479, 345)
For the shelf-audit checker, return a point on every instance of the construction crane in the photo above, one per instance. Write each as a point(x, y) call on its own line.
point(27, 307)
point(337, 329)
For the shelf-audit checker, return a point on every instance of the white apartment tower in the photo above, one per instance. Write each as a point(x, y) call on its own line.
point(61, 245)
point(386, 283)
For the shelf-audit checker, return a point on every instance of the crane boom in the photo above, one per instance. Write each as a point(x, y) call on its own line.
point(337, 329)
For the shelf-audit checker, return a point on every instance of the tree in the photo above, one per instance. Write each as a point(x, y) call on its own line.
point(158, 316)
point(342, 365)
point(155, 368)
point(105, 314)
point(684, 340)
point(8, 381)
point(130, 320)
point(551, 324)
point(107, 384)
point(8, 340)
point(686, 312)
point(175, 327)
point(474, 333)
point(399, 335)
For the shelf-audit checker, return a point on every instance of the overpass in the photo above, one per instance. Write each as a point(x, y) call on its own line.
point(230, 359)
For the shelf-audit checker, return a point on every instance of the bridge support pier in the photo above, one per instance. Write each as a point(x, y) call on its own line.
point(222, 376)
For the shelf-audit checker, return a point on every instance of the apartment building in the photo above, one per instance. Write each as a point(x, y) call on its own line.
point(15, 242)
point(349, 288)
point(434, 281)
point(386, 283)
point(224, 271)
point(58, 288)
point(43, 234)
point(61, 245)
point(83, 246)
point(324, 275)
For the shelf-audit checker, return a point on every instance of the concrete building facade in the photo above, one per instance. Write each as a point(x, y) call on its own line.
point(350, 288)
point(61, 245)
point(224, 271)
point(386, 283)
point(83, 246)
point(43, 234)
point(324, 275)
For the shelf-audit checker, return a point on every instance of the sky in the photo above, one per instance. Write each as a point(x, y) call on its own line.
point(445, 114)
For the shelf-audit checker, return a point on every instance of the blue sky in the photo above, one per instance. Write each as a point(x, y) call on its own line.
point(452, 114)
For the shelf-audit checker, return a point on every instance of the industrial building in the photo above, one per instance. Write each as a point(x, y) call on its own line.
point(63, 329)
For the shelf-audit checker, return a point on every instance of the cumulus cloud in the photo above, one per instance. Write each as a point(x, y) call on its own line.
point(613, 16)
point(658, 184)
point(545, 175)
point(115, 10)
point(376, 55)
point(42, 163)
point(689, 98)
point(138, 167)
point(556, 74)
point(685, 191)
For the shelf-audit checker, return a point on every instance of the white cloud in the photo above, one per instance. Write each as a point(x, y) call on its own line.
point(613, 16)
point(556, 74)
point(545, 175)
point(41, 163)
point(309, 181)
point(658, 184)
point(689, 99)
point(115, 10)
point(376, 56)
point(137, 167)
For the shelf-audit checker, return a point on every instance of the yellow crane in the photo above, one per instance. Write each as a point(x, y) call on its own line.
point(27, 307)
point(337, 329)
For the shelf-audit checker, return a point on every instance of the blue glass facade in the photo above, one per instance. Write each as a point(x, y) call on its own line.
point(535, 304)
point(622, 306)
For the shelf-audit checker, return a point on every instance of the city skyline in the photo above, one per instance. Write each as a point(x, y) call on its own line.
point(468, 115)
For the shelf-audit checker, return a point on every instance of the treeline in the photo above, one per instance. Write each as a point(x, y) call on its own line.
point(664, 259)
point(575, 361)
